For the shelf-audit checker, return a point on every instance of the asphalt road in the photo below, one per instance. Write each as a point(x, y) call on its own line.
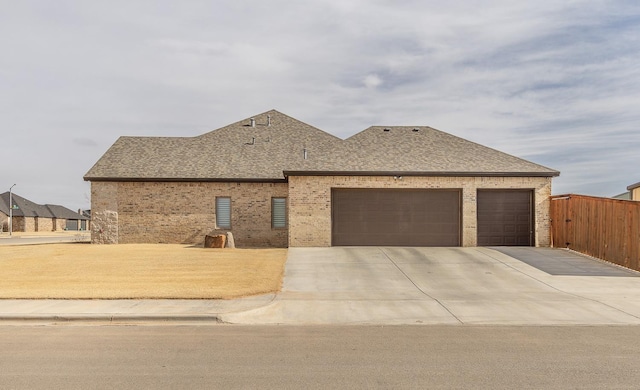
point(319, 357)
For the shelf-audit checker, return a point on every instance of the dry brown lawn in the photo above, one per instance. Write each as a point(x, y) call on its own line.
point(137, 271)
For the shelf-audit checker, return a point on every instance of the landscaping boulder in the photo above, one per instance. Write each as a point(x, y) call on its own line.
point(230, 241)
point(216, 241)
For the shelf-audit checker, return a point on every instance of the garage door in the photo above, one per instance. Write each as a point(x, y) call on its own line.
point(389, 217)
point(505, 217)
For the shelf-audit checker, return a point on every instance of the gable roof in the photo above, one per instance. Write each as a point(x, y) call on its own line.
point(278, 146)
point(64, 213)
point(23, 207)
point(238, 151)
point(633, 186)
point(26, 208)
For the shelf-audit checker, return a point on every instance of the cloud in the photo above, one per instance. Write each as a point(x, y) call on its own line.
point(553, 82)
point(372, 81)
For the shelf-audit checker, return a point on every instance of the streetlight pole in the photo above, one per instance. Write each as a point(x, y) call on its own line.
point(11, 210)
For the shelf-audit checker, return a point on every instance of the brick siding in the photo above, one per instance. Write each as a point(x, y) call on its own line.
point(171, 212)
point(310, 202)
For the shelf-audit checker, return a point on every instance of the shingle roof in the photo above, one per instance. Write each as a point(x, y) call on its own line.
point(26, 208)
point(424, 150)
point(241, 151)
point(237, 151)
point(64, 213)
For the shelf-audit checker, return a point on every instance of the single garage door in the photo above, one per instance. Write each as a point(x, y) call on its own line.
point(505, 217)
point(390, 217)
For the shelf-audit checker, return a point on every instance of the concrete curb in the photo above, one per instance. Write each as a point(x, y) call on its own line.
point(196, 311)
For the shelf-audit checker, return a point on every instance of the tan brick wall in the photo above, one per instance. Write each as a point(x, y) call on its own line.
point(44, 224)
point(169, 212)
point(310, 202)
point(635, 194)
point(28, 224)
point(32, 224)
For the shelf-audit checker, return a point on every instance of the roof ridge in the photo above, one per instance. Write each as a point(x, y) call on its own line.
point(271, 111)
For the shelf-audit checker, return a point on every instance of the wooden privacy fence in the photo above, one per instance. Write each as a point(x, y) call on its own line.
point(608, 229)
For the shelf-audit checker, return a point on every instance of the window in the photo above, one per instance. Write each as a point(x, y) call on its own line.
point(278, 213)
point(223, 212)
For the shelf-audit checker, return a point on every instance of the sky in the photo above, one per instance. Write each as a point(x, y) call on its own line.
point(553, 82)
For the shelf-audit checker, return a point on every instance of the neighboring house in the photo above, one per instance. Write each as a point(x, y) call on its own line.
point(4, 216)
point(634, 191)
point(623, 196)
point(32, 217)
point(275, 181)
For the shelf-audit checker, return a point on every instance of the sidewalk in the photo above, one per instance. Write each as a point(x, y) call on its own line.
point(125, 310)
point(22, 238)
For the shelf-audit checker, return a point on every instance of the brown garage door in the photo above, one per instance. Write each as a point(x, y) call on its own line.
point(389, 217)
point(505, 217)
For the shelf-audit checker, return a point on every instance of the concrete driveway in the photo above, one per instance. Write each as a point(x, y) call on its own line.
point(375, 285)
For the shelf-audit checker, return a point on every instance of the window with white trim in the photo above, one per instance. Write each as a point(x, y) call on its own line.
point(279, 213)
point(223, 212)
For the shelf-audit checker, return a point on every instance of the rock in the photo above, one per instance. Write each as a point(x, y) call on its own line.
point(230, 242)
point(216, 241)
point(104, 227)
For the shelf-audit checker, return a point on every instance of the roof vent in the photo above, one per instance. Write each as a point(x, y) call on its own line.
point(415, 130)
point(386, 129)
point(304, 153)
point(253, 122)
point(268, 120)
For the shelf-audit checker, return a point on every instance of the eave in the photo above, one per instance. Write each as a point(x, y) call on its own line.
point(423, 174)
point(186, 180)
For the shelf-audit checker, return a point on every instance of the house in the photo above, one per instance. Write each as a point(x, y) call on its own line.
point(634, 191)
point(623, 196)
point(29, 216)
point(275, 181)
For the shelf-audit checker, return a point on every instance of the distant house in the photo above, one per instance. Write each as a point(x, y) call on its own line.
point(623, 196)
point(29, 216)
point(634, 191)
point(275, 181)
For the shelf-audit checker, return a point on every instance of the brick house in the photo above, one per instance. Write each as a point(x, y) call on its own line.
point(29, 216)
point(275, 181)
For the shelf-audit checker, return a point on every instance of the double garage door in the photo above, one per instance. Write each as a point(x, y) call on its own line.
point(391, 217)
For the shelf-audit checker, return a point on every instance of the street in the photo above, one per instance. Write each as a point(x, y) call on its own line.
point(319, 357)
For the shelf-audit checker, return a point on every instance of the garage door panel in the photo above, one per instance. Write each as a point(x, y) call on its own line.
point(507, 229)
point(392, 217)
point(505, 217)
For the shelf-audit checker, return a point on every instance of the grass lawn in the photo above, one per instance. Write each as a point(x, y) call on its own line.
point(137, 271)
